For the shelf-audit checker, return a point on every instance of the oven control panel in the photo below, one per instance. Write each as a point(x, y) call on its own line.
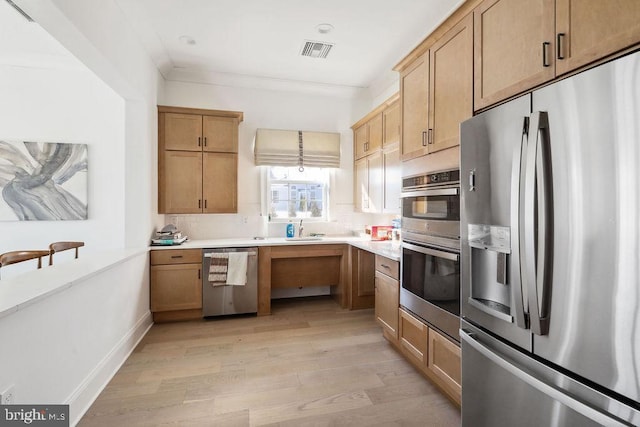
point(431, 179)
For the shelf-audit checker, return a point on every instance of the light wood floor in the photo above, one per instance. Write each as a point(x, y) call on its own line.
point(309, 364)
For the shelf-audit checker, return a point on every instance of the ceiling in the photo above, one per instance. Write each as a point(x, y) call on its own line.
point(254, 43)
point(259, 41)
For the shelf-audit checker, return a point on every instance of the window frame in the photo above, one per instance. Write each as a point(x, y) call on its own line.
point(268, 194)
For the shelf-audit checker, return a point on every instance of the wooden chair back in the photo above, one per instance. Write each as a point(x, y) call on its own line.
point(63, 246)
point(14, 257)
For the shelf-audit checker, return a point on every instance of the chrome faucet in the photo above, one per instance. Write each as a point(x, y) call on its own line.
point(300, 228)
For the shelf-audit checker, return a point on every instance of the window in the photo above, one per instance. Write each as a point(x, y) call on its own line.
point(296, 195)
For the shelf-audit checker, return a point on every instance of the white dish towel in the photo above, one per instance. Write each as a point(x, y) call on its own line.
point(237, 268)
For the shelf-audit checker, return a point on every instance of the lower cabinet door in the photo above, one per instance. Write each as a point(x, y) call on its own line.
point(444, 362)
point(387, 302)
point(176, 287)
point(413, 338)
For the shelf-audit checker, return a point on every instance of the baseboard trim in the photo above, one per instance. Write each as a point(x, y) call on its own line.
point(88, 390)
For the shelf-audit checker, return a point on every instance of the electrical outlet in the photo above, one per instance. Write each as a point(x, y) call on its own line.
point(6, 397)
point(245, 219)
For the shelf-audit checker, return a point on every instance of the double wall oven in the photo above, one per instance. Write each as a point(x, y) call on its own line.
point(430, 274)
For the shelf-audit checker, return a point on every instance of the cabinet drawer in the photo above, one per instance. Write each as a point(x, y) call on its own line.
point(413, 338)
point(444, 362)
point(176, 256)
point(388, 266)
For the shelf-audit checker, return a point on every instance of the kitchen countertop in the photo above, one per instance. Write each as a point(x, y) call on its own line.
point(384, 248)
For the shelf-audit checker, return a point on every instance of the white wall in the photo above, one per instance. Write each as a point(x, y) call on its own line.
point(65, 348)
point(67, 105)
point(276, 110)
point(100, 36)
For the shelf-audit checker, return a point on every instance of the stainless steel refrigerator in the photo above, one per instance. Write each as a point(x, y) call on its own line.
point(550, 256)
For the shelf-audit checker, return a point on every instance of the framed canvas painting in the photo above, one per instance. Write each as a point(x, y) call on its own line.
point(43, 181)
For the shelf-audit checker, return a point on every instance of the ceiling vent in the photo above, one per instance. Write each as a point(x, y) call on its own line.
point(20, 11)
point(316, 49)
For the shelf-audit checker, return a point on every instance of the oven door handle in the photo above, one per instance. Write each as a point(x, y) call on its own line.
point(434, 192)
point(433, 252)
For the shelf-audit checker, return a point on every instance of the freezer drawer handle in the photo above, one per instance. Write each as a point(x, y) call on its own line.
point(547, 389)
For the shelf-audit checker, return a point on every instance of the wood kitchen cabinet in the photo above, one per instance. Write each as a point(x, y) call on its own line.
point(176, 284)
point(368, 137)
point(197, 160)
point(377, 170)
point(437, 93)
point(391, 170)
point(413, 336)
point(445, 363)
point(435, 356)
point(520, 44)
point(362, 292)
point(414, 108)
point(587, 30)
point(391, 124)
point(387, 296)
point(369, 177)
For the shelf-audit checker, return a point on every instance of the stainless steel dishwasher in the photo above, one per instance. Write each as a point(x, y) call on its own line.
point(229, 299)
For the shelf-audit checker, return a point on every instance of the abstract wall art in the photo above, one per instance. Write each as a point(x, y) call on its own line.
point(43, 181)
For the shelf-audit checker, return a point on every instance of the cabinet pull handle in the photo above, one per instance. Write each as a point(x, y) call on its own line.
point(559, 45)
point(199, 275)
point(385, 266)
point(545, 54)
point(424, 138)
point(205, 141)
point(430, 138)
point(199, 204)
point(205, 203)
point(176, 256)
point(198, 141)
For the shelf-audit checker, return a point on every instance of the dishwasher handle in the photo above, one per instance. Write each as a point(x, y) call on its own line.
point(210, 254)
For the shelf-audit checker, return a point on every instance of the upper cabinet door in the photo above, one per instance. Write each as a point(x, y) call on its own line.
point(451, 80)
point(219, 183)
point(180, 182)
point(361, 138)
point(391, 124)
point(182, 131)
point(514, 47)
point(414, 109)
point(587, 30)
point(375, 133)
point(220, 134)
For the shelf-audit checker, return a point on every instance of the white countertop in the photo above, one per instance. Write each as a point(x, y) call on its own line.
point(384, 248)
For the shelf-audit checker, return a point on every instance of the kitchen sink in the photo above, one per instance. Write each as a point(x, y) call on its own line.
point(303, 239)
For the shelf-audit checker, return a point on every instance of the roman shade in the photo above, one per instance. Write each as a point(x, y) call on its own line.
point(274, 147)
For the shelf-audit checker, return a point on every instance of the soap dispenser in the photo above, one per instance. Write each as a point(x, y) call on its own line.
point(291, 229)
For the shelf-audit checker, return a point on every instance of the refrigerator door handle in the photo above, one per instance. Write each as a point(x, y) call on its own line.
point(543, 387)
point(538, 224)
point(517, 220)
